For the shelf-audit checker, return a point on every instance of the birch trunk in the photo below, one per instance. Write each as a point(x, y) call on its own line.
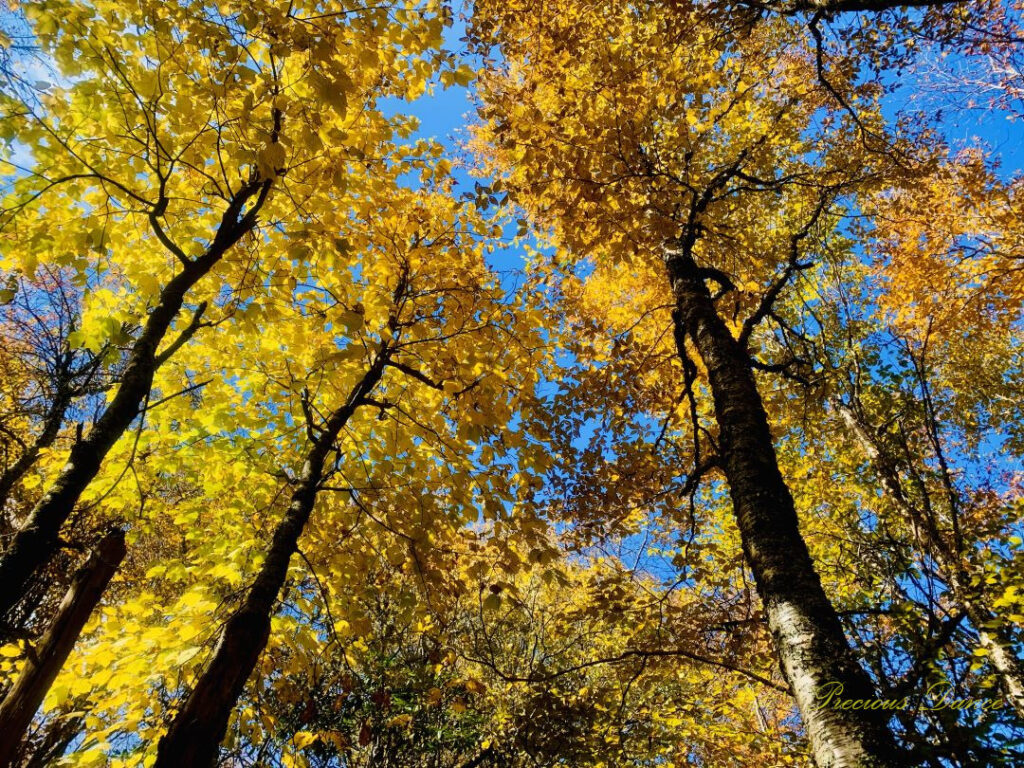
point(992, 634)
point(812, 648)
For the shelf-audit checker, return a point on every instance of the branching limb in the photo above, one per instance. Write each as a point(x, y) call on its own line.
point(187, 333)
point(313, 431)
point(418, 375)
point(179, 393)
point(164, 238)
point(794, 265)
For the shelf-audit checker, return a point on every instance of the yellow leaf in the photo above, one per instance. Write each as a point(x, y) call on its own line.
point(270, 160)
point(303, 739)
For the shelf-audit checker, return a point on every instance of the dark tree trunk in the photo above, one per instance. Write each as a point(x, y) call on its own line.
point(199, 727)
point(55, 741)
point(37, 540)
point(809, 639)
point(51, 428)
point(45, 661)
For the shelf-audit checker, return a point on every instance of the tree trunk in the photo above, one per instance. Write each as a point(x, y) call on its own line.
point(45, 661)
point(199, 727)
point(34, 544)
point(812, 648)
point(992, 635)
point(55, 741)
point(51, 428)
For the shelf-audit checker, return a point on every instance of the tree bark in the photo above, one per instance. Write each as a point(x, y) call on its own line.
point(993, 638)
point(34, 544)
point(56, 739)
point(51, 428)
point(199, 727)
point(812, 648)
point(21, 702)
point(992, 635)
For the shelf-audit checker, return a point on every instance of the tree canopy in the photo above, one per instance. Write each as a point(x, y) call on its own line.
point(668, 413)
